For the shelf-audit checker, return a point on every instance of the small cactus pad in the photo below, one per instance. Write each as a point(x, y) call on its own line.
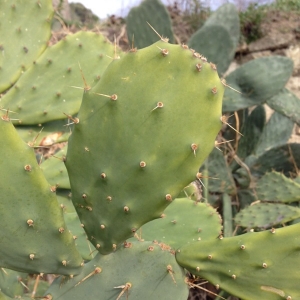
point(22, 37)
point(140, 270)
point(257, 80)
point(266, 215)
point(255, 265)
point(143, 130)
point(182, 222)
point(274, 186)
point(54, 85)
point(55, 170)
point(37, 240)
point(139, 32)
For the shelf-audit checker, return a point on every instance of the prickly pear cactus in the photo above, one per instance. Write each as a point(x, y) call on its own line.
point(37, 240)
point(250, 266)
point(121, 274)
point(22, 37)
point(154, 12)
point(140, 135)
point(183, 222)
point(266, 215)
point(257, 80)
point(53, 86)
point(276, 187)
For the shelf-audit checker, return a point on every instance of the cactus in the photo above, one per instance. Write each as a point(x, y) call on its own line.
point(141, 134)
point(218, 38)
point(282, 159)
point(266, 215)
point(12, 283)
point(276, 187)
point(183, 222)
point(53, 85)
point(122, 273)
point(258, 80)
point(276, 133)
point(286, 103)
point(251, 265)
point(154, 12)
point(26, 240)
point(22, 38)
point(149, 143)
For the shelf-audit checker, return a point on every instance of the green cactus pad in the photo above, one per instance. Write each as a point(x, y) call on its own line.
point(22, 37)
point(257, 80)
point(276, 133)
point(37, 241)
point(214, 42)
point(282, 159)
point(266, 215)
point(54, 85)
point(64, 199)
point(218, 38)
point(55, 171)
point(151, 271)
point(12, 283)
point(132, 152)
point(227, 16)
point(153, 12)
point(250, 266)
point(286, 103)
point(45, 134)
point(182, 222)
point(276, 187)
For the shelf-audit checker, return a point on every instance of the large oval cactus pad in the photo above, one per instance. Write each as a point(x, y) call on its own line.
point(143, 132)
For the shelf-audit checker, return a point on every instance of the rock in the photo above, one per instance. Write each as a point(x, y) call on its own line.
point(272, 42)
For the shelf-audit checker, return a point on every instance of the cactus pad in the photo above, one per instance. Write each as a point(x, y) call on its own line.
point(154, 12)
point(54, 85)
point(257, 80)
point(250, 266)
point(22, 40)
point(106, 276)
point(286, 103)
point(143, 130)
point(266, 215)
point(182, 222)
point(38, 240)
point(275, 186)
